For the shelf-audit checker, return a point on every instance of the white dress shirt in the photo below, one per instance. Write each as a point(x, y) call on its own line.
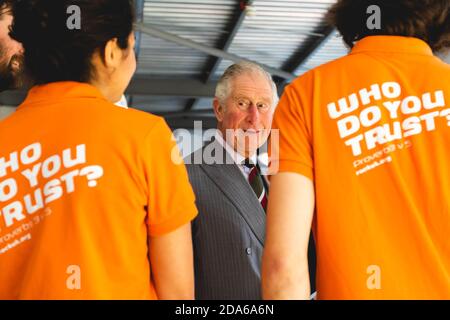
point(236, 156)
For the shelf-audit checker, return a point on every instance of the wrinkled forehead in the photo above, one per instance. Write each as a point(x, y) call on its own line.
point(251, 85)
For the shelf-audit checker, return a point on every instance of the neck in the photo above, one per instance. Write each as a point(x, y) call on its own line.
point(106, 91)
point(246, 153)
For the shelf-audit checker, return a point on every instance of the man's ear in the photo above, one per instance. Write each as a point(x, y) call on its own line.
point(218, 109)
point(112, 55)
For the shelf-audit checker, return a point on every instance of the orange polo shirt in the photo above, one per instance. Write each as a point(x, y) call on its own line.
point(83, 185)
point(372, 131)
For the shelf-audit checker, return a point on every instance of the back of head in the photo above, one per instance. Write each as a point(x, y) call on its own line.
point(428, 20)
point(55, 50)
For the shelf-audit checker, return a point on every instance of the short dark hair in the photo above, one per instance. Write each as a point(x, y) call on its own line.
point(6, 3)
point(5, 6)
point(53, 52)
point(428, 20)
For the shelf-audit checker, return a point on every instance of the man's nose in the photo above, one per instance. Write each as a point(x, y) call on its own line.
point(253, 113)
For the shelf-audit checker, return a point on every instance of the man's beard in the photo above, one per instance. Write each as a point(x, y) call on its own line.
point(11, 73)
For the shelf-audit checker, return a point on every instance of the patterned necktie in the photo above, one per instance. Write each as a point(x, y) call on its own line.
point(256, 182)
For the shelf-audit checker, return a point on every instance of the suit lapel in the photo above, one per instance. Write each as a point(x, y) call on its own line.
point(232, 183)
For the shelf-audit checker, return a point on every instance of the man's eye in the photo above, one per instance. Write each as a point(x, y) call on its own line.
point(243, 103)
point(262, 105)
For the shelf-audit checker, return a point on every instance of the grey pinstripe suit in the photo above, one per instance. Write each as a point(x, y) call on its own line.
point(228, 234)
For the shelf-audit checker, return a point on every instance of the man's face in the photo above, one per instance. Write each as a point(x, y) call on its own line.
point(11, 55)
point(248, 112)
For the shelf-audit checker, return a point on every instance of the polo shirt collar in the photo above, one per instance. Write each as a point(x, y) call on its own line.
point(62, 90)
point(393, 44)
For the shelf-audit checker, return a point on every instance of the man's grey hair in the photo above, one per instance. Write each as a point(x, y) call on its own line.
point(223, 88)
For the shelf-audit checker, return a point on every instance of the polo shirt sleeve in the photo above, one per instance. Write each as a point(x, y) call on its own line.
point(292, 124)
point(171, 201)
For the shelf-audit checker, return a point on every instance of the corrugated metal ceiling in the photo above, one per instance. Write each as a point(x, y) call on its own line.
point(270, 33)
point(199, 21)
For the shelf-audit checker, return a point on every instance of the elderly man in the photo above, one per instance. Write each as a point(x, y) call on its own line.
point(228, 234)
point(11, 52)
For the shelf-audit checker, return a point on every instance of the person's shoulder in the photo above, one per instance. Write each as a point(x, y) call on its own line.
point(136, 120)
point(134, 124)
point(321, 72)
point(141, 116)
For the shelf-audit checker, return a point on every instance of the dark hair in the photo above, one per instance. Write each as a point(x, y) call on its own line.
point(5, 7)
point(54, 52)
point(5, 3)
point(428, 20)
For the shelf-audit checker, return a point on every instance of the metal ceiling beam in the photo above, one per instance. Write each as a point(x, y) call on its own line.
point(186, 88)
point(224, 44)
point(306, 50)
point(188, 123)
point(139, 9)
point(193, 114)
point(152, 31)
point(190, 105)
point(183, 88)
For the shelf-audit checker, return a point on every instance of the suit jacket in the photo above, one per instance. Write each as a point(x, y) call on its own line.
point(228, 234)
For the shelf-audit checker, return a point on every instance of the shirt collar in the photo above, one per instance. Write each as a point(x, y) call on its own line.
point(62, 90)
point(236, 156)
point(397, 44)
point(123, 103)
